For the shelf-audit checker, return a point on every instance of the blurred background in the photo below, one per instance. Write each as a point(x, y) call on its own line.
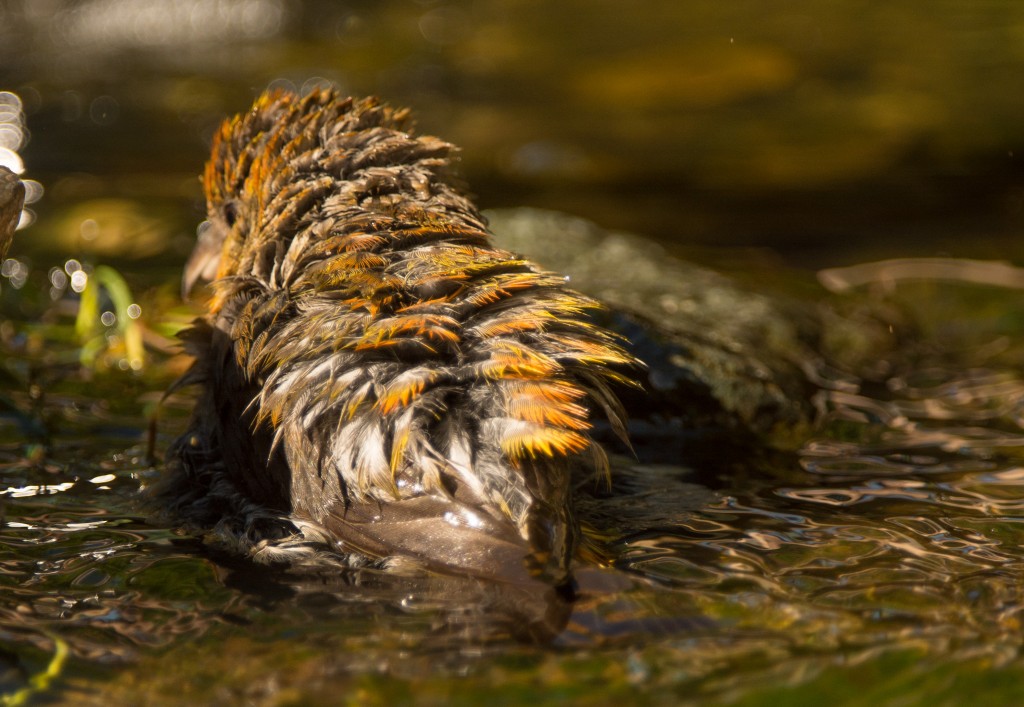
point(822, 133)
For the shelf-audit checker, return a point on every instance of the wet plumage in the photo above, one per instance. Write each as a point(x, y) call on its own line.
point(379, 380)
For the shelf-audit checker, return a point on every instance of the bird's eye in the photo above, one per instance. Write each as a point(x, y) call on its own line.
point(230, 213)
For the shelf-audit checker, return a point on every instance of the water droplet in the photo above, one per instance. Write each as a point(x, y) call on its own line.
point(33, 190)
point(58, 278)
point(9, 266)
point(79, 279)
point(15, 271)
point(11, 160)
point(10, 101)
point(89, 229)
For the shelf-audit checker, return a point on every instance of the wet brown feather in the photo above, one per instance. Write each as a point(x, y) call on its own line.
point(373, 365)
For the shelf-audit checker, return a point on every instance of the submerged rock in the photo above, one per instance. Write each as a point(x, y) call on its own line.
point(718, 355)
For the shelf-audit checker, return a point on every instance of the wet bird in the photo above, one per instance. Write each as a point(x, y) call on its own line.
point(380, 382)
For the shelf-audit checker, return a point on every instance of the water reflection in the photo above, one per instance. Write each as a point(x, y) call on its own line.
point(906, 530)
